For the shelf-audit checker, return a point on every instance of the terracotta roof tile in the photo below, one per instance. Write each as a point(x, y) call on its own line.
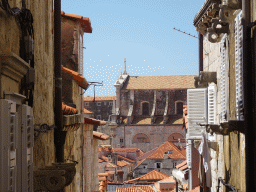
point(67, 110)
point(181, 164)
point(145, 155)
point(84, 21)
point(196, 189)
point(100, 98)
point(94, 121)
point(100, 136)
point(125, 158)
point(80, 80)
point(87, 111)
point(160, 82)
point(122, 163)
point(128, 150)
point(153, 175)
point(165, 147)
point(167, 180)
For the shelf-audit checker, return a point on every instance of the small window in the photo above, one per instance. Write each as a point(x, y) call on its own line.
point(169, 152)
point(158, 165)
point(110, 103)
point(121, 140)
point(174, 164)
point(145, 108)
point(98, 103)
point(98, 116)
point(144, 166)
point(179, 107)
point(86, 104)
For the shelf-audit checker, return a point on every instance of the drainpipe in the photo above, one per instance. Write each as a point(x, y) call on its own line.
point(248, 100)
point(59, 135)
point(201, 46)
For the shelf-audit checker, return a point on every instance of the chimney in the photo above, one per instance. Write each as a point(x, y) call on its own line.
point(114, 158)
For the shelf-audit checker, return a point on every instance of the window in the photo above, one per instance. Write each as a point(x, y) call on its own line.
point(86, 104)
point(105, 102)
point(98, 103)
point(174, 164)
point(98, 116)
point(179, 108)
point(158, 165)
point(110, 103)
point(144, 166)
point(145, 108)
point(121, 140)
point(170, 152)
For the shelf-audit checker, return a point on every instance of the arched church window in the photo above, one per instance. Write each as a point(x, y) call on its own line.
point(140, 138)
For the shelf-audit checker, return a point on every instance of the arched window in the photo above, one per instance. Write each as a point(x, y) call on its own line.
point(145, 108)
point(140, 138)
point(179, 107)
point(175, 137)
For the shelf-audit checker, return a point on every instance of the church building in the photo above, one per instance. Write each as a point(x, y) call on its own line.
point(148, 110)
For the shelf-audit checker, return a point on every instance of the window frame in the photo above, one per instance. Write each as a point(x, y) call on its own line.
point(86, 104)
point(158, 163)
point(98, 104)
point(176, 106)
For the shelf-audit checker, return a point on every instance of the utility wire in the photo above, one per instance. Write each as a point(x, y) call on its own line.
point(185, 33)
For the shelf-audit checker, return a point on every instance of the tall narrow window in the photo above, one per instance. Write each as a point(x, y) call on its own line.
point(179, 108)
point(145, 108)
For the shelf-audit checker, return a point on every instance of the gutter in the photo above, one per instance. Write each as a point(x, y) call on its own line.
point(59, 135)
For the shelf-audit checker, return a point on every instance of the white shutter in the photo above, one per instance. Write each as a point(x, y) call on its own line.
point(224, 78)
point(27, 135)
point(188, 153)
point(212, 107)
point(8, 145)
point(239, 66)
point(197, 111)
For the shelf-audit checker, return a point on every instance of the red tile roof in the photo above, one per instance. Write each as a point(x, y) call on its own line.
point(94, 121)
point(160, 82)
point(166, 180)
point(128, 150)
point(153, 175)
point(100, 98)
point(80, 80)
point(122, 163)
point(167, 146)
point(101, 136)
point(137, 188)
point(87, 111)
point(125, 158)
point(181, 164)
point(84, 21)
point(67, 110)
point(196, 189)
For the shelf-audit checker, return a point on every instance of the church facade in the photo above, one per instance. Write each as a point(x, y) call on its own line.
point(148, 110)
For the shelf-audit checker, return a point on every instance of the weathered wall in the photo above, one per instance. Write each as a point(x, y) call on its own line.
point(95, 168)
point(157, 135)
point(149, 165)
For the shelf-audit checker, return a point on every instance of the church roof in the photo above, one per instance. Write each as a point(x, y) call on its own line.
point(160, 82)
point(153, 175)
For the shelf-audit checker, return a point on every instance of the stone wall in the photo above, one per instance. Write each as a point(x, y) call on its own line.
point(157, 135)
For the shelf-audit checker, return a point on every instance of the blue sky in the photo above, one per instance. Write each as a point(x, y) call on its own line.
point(140, 31)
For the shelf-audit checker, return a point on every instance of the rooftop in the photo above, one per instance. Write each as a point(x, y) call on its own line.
point(153, 175)
point(100, 98)
point(160, 82)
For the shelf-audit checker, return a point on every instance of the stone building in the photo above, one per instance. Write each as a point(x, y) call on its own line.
point(148, 110)
point(101, 106)
point(225, 87)
point(163, 159)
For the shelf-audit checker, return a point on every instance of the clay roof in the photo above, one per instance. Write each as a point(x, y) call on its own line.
point(110, 165)
point(101, 136)
point(196, 189)
point(87, 111)
point(84, 21)
point(125, 158)
point(145, 155)
point(167, 146)
point(94, 121)
point(137, 188)
point(181, 164)
point(153, 175)
point(100, 98)
point(128, 150)
point(80, 80)
point(168, 179)
point(122, 163)
point(160, 82)
point(67, 110)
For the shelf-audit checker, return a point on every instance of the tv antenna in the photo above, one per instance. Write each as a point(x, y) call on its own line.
point(185, 33)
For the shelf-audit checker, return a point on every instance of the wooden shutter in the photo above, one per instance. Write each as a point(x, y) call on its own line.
point(224, 78)
point(8, 145)
point(212, 107)
point(197, 112)
point(239, 66)
point(27, 136)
